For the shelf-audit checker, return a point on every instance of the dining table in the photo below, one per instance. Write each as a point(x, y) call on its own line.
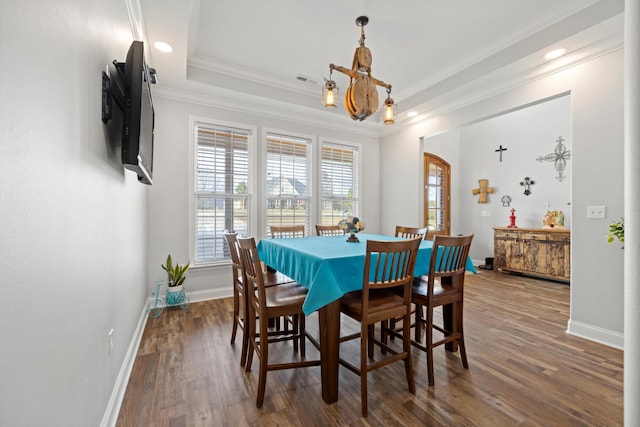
point(329, 267)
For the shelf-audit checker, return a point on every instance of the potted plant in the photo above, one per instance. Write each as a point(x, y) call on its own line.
point(616, 231)
point(175, 290)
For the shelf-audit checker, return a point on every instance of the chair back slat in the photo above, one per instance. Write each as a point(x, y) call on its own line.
point(236, 267)
point(252, 272)
point(286, 231)
point(449, 256)
point(410, 232)
point(329, 230)
point(389, 263)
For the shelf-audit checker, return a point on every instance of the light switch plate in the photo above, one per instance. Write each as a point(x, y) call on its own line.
point(596, 212)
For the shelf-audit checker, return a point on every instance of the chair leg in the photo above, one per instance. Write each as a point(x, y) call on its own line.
point(263, 354)
point(364, 335)
point(370, 331)
point(384, 334)
point(418, 323)
point(406, 348)
point(245, 346)
point(250, 328)
point(392, 325)
point(429, 345)
point(295, 329)
point(303, 333)
point(459, 329)
point(236, 314)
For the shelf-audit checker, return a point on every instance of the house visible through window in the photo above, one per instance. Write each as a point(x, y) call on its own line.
point(244, 183)
point(287, 180)
point(340, 189)
point(222, 183)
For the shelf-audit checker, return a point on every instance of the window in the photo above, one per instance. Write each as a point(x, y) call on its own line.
point(340, 190)
point(287, 181)
point(437, 195)
point(222, 183)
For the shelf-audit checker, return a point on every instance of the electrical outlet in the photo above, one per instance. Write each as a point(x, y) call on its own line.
point(110, 341)
point(595, 212)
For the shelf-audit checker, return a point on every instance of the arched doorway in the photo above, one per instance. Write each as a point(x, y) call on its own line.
point(437, 195)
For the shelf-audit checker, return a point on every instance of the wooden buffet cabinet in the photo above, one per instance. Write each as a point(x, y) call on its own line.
point(533, 251)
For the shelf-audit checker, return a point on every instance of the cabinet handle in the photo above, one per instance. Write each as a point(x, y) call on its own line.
point(519, 255)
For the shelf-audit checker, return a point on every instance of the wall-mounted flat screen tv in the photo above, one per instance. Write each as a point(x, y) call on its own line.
point(127, 111)
point(138, 120)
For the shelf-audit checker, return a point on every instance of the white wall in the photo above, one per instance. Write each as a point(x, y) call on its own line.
point(596, 93)
point(527, 134)
point(73, 231)
point(169, 196)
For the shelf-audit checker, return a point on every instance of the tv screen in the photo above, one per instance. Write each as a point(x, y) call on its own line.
point(138, 120)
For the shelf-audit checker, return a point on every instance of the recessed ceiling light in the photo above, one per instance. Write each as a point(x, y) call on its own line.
point(556, 53)
point(412, 113)
point(163, 47)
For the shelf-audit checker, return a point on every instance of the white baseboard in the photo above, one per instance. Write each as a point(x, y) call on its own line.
point(117, 395)
point(594, 333)
point(210, 294)
point(115, 401)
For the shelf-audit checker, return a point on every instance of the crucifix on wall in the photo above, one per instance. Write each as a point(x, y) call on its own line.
point(527, 183)
point(559, 158)
point(483, 190)
point(500, 150)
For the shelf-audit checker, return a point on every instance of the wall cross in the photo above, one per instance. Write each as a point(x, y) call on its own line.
point(483, 190)
point(501, 150)
point(559, 158)
point(527, 183)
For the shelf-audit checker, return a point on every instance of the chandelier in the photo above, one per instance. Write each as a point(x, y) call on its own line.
point(361, 97)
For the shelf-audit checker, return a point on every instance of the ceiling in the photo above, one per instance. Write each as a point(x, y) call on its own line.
point(436, 54)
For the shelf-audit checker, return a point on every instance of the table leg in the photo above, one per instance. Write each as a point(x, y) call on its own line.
point(329, 326)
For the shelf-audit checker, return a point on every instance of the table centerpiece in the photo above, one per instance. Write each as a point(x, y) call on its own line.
point(352, 225)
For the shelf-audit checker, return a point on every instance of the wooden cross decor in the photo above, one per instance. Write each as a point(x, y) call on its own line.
point(482, 190)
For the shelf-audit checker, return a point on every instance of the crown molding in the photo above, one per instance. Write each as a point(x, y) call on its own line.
point(254, 76)
point(247, 104)
point(519, 73)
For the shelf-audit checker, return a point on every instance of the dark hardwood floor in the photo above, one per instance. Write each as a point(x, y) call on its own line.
point(524, 370)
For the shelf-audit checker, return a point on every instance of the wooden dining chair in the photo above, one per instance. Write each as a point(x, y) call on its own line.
point(388, 267)
point(271, 278)
point(269, 302)
point(284, 231)
point(410, 232)
point(442, 286)
point(407, 233)
point(329, 230)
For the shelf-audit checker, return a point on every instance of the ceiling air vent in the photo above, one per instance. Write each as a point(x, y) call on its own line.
point(306, 79)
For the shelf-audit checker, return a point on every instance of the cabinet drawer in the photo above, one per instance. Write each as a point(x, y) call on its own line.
point(506, 235)
point(559, 237)
point(542, 237)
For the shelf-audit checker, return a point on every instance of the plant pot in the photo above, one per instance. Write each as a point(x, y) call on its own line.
point(175, 295)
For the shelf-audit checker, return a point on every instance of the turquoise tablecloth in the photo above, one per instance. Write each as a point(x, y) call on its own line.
point(329, 266)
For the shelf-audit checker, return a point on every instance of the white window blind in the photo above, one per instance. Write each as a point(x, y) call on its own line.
point(222, 188)
point(340, 170)
point(287, 181)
